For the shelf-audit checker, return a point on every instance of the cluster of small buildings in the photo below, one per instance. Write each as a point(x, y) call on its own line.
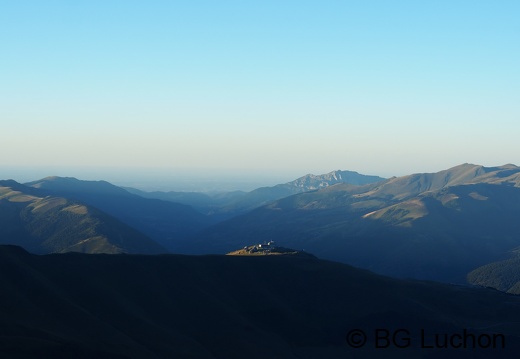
point(265, 247)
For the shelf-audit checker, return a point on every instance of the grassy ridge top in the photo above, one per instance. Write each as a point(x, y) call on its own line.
point(43, 223)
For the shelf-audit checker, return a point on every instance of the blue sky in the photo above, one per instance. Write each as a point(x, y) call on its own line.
point(281, 88)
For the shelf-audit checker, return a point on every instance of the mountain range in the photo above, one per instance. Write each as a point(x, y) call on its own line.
point(161, 225)
point(125, 297)
point(163, 221)
point(436, 226)
point(229, 204)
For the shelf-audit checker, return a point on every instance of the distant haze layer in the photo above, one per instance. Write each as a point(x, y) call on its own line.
point(201, 180)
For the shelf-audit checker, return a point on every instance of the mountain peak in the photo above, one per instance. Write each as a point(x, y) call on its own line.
point(9, 183)
point(58, 178)
point(312, 182)
point(72, 184)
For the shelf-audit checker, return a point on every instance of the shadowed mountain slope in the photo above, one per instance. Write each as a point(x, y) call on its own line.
point(434, 226)
point(47, 224)
point(163, 221)
point(502, 275)
point(210, 204)
point(171, 306)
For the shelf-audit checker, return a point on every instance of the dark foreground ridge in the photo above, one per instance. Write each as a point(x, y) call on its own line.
point(172, 306)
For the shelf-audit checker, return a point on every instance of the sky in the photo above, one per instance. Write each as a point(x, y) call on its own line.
point(264, 90)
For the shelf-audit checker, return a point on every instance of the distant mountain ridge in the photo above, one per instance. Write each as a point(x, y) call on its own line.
point(42, 223)
point(436, 226)
point(312, 182)
point(163, 221)
point(227, 205)
point(401, 187)
point(73, 185)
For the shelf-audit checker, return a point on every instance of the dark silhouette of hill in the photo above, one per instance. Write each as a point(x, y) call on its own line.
point(47, 224)
point(171, 306)
point(437, 226)
point(222, 206)
point(163, 221)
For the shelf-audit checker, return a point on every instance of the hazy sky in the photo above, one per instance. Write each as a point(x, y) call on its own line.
point(279, 87)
